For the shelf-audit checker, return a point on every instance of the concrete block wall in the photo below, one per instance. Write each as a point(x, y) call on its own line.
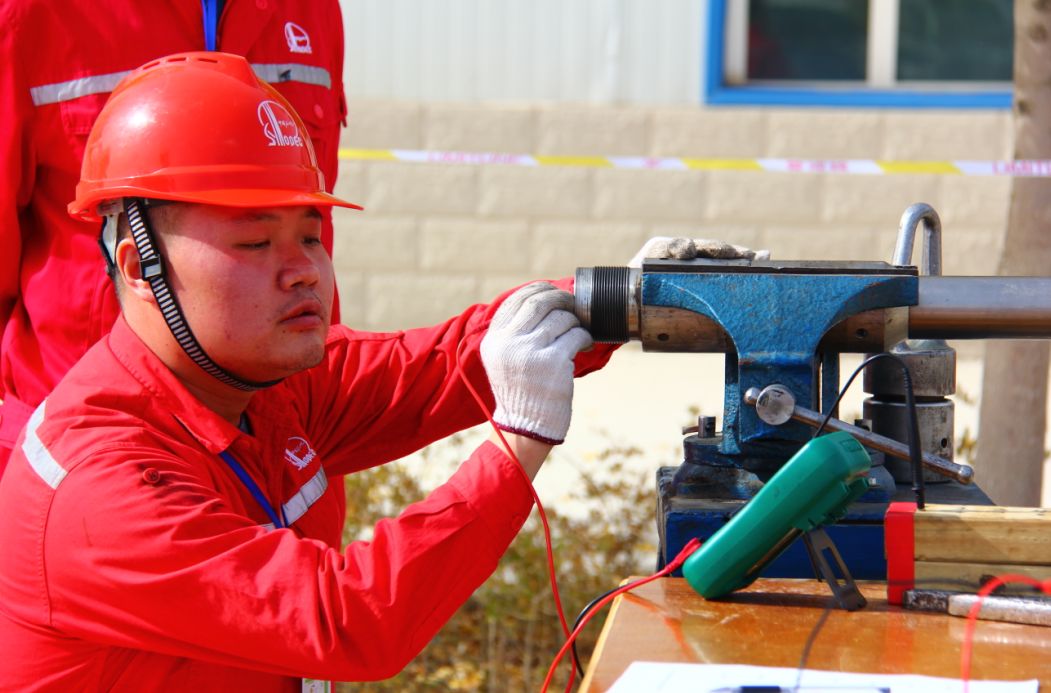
point(435, 238)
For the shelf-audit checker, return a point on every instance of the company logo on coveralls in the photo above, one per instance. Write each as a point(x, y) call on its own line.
point(299, 452)
point(278, 126)
point(297, 37)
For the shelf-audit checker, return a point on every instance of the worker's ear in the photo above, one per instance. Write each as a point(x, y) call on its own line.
point(130, 271)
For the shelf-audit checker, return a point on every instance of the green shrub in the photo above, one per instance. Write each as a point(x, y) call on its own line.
point(505, 637)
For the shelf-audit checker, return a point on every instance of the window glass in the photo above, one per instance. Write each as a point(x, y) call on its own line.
point(955, 40)
point(807, 39)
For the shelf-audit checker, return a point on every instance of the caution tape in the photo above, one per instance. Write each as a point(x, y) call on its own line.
point(1039, 168)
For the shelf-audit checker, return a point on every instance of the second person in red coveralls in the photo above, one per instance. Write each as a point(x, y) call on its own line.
point(171, 521)
point(59, 60)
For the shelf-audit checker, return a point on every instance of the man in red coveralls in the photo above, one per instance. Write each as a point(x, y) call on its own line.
point(170, 521)
point(59, 60)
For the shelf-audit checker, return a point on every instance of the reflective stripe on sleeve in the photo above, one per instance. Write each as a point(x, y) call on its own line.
point(75, 88)
point(102, 84)
point(305, 497)
point(293, 72)
point(39, 458)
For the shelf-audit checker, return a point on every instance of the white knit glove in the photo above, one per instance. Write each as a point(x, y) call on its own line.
point(668, 248)
point(528, 355)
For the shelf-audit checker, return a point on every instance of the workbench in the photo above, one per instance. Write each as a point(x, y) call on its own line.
point(768, 624)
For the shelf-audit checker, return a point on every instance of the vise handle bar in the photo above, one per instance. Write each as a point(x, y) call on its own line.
point(775, 405)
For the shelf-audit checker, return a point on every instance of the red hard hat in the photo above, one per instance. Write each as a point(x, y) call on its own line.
point(199, 127)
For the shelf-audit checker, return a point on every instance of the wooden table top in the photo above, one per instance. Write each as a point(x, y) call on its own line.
point(768, 624)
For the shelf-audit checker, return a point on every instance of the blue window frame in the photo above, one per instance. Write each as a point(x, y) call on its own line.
point(717, 90)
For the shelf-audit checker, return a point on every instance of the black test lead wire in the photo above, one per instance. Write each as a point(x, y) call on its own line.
point(914, 458)
point(915, 454)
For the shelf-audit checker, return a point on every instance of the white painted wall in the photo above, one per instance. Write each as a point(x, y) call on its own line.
point(594, 51)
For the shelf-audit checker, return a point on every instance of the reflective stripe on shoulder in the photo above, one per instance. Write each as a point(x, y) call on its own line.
point(293, 72)
point(305, 497)
point(39, 458)
point(75, 88)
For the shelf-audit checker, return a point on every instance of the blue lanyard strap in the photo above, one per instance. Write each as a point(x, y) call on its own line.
point(211, 22)
point(254, 489)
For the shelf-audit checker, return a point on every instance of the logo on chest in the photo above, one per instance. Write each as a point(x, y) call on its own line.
point(298, 452)
point(297, 37)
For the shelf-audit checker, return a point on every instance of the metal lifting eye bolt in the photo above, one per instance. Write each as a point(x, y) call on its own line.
point(775, 405)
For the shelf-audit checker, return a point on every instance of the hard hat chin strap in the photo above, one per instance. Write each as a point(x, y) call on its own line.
point(152, 269)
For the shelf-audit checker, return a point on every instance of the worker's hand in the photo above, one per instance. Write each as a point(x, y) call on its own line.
point(528, 355)
point(667, 248)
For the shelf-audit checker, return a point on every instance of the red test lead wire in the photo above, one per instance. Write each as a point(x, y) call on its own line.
point(690, 547)
point(972, 617)
point(536, 499)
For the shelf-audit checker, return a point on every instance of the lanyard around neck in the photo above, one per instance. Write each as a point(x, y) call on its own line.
point(211, 22)
point(254, 489)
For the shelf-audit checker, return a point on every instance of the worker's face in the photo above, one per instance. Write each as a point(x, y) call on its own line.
point(255, 285)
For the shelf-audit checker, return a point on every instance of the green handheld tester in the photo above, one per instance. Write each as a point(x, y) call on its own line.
point(812, 489)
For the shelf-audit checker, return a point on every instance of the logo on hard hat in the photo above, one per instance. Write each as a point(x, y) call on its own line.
point(278, 126)
point(299, 452)
point(297, 37)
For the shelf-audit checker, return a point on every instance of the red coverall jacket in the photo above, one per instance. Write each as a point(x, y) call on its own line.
point(135, 560)
point(59, 59)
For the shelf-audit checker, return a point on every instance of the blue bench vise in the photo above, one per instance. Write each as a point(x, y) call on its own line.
point(785, 324)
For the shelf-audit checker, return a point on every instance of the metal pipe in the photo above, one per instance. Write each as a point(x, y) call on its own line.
point(959, 472)
point(948, 308)
point(982, 308)
point(606, 301)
